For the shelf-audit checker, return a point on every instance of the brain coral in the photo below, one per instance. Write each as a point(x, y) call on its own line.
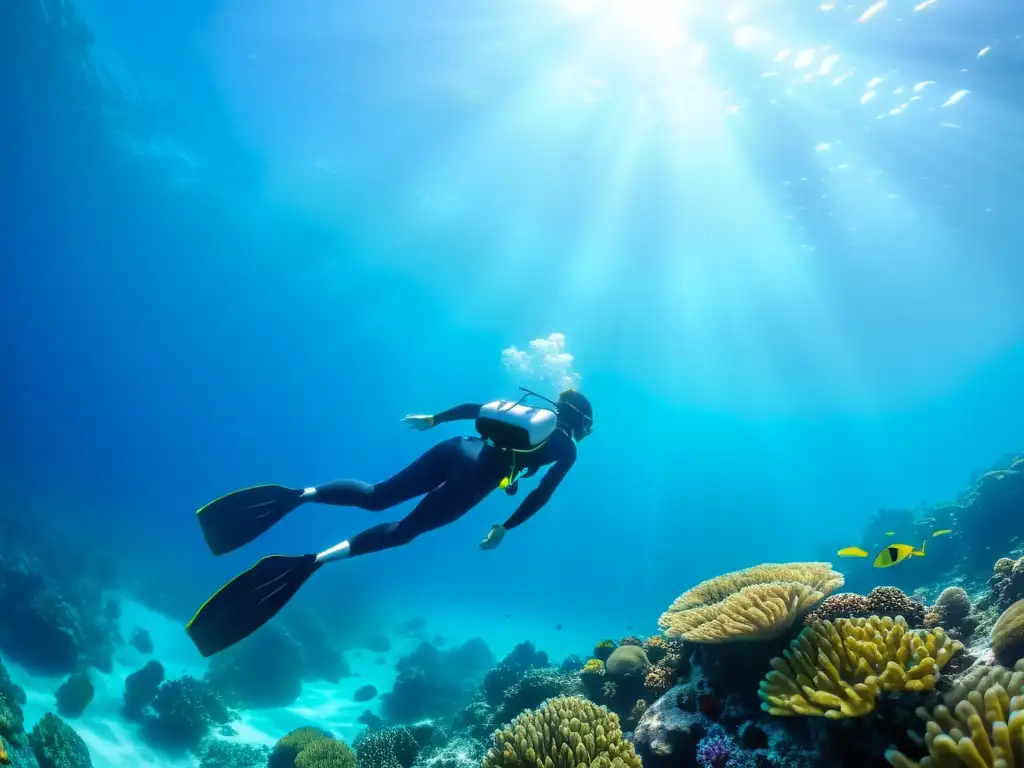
point(566, 732)
point(758, 602)
point(1008, 635)
point(626, 661)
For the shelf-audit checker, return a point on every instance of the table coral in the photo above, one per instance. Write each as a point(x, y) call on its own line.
point(759, 602)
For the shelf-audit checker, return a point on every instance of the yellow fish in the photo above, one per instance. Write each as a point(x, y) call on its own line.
point(897, 553)
point(890, 533)
point(943, 532)
point(852, 552)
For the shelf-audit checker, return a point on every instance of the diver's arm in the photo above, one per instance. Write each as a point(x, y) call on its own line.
point(540, 495)
point(459, 412)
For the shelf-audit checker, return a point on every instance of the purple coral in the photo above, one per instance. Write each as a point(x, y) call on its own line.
point(713, 752)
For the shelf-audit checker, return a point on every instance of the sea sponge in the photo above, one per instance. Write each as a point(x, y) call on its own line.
point(980, 724)
point(1008, 635)
point(837, 669)
point(326, 753)
point(759, 602)
point(566, 732)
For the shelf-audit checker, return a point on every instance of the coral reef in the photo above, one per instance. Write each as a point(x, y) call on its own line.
point(292, 743)
point(1006, 584)
point(74, 695)
point(264, 670)
point(56, 745)
point(12, 699)
point(536, 685)
point(759, 602)
point(184, 712)
point(510, 671)
point(604, 649)
point(1008, 635)
point(140, 689)
point(980, 723)
point(392, 747)
point(53, 629)
point(217, 753)
point(436, 683)
point(566, 732)
point(838, 669)
point(364, 693)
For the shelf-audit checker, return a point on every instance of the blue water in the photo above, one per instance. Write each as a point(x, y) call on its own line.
point(275, 228)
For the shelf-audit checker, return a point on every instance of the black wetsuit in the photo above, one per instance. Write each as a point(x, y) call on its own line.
point(456, 475)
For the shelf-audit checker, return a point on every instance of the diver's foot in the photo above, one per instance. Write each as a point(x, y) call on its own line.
point(307, 494)
point(337, 552)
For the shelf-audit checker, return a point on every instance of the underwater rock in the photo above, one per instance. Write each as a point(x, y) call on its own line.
point(141, 641)
point(365, 693)
point(140, 689)
point(186, 709)
point(571, 663)
point(74, 695)
point(263, 671)
point(322, 659)
point(604, 649)
point(1006, 585)
point(57, 745)
point(668, 733)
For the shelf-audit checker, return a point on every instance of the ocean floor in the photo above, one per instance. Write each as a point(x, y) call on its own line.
point(115, 743)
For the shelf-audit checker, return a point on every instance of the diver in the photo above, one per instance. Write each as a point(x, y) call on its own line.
point(515, 440)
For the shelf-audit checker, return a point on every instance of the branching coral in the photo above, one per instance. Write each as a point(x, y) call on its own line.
point(656, 648)
point(567, 732)
point(762, 602)
point(837, 670)
point(326, 753)
point(980, 724)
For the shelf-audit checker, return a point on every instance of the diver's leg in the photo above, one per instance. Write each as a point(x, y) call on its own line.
point(425, 474)
point(438, 508)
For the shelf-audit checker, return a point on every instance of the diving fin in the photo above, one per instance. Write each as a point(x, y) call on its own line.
point(237, 518)
point(249, 601)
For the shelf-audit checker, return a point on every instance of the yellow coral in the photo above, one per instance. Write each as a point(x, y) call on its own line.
point(566, 732)
point(836, 669)
point(593, 667)
point(979, 725)
point(762, 602)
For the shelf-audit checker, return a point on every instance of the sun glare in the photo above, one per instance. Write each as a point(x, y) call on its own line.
point(645, 24)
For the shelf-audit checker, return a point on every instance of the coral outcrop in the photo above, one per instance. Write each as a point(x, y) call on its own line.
point(759, 602)
point(837, 670)
point(565, 733)
point(980, 724)
point(1008, 635)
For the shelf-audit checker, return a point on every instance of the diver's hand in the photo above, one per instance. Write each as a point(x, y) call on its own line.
point(419, 422)
point(494, 537)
